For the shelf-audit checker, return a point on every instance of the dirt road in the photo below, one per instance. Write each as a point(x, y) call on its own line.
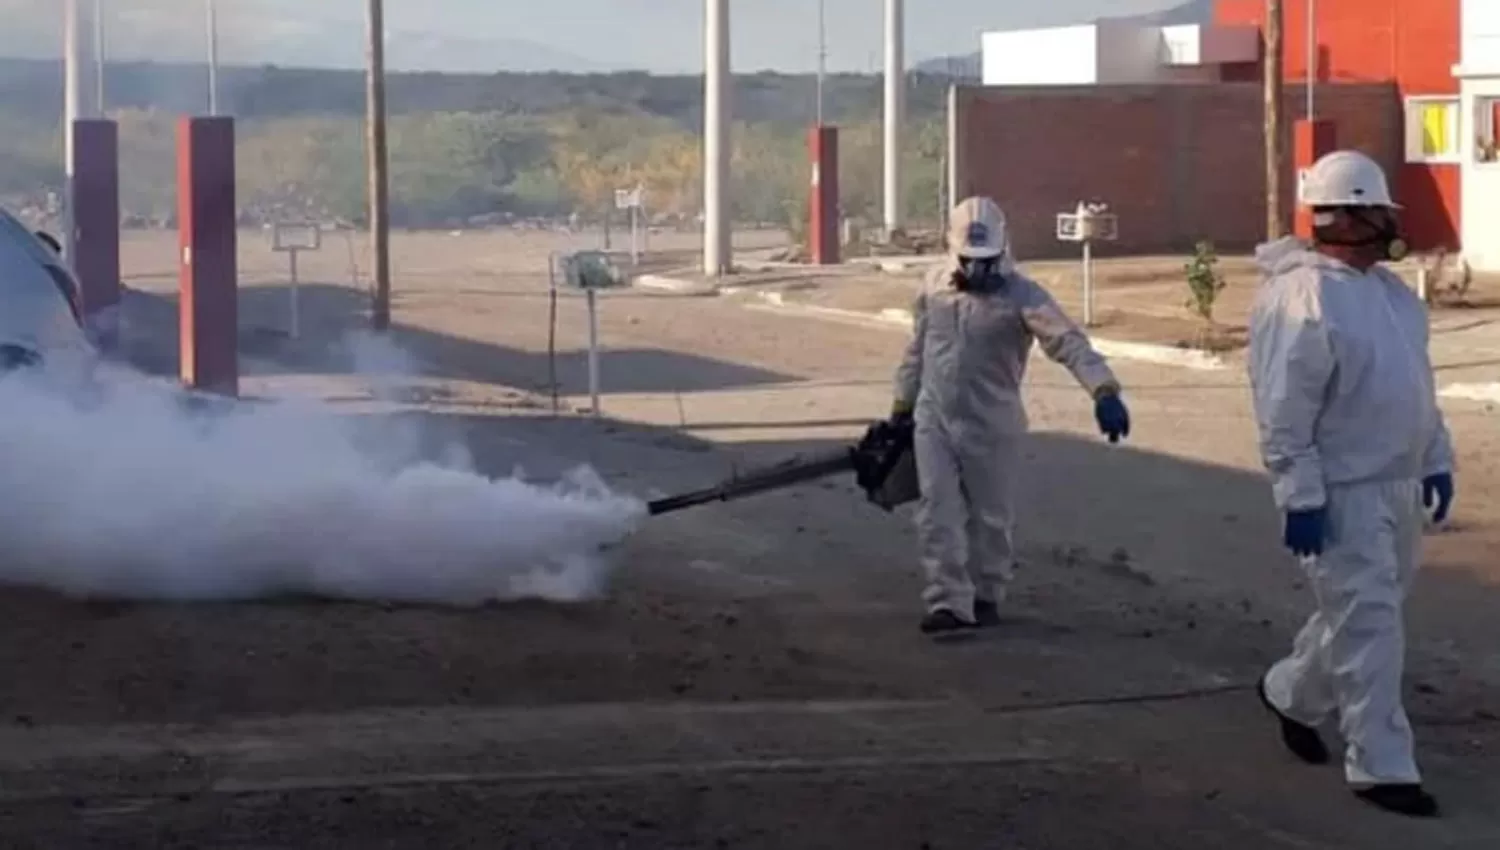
point(755, 680)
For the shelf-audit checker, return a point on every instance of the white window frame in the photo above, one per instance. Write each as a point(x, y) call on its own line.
point(1486, 134)
point(1412, 124)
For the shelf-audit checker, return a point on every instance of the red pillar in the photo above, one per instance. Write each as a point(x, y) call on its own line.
point(1311, 140)
point(96, 227)
point(208, 275)
point(823, 206)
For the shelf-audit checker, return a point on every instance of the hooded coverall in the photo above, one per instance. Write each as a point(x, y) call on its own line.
point(1344, 399)
point(962, 375)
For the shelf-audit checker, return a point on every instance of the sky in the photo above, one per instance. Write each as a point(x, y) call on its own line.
point(665, 35)
point(662, 36)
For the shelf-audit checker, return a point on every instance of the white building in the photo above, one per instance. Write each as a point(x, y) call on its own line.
point(1117, 52)
point(1478, 73)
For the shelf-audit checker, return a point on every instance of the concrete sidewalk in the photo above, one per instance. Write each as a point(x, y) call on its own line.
point(1140, 310)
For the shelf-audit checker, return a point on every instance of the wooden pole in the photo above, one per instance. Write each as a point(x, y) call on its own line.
point(1275, 139)
point(379, 165)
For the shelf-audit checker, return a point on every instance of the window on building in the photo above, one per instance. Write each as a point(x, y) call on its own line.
point(1486, 122)
point(1432, 129)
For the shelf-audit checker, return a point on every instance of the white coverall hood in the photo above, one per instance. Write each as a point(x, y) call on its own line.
point(1344, 399)
point(962, 373)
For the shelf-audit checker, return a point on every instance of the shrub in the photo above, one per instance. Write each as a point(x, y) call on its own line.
point(1204, 281)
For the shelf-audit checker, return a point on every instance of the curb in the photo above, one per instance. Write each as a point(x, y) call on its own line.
point(674, 285)
point(1489, 392)
point(894, 317)
point(1165, 355)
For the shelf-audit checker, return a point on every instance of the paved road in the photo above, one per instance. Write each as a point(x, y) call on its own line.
point(755, 679)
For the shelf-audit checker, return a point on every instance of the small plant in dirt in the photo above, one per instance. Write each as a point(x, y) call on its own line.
point(1204, 281)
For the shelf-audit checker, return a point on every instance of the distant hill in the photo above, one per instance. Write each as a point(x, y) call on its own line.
point(970, 67)
point(1191, 12)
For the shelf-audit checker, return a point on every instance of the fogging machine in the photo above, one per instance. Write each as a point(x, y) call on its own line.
point(882, 462)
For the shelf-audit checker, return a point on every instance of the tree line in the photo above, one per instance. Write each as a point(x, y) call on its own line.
point(468, 148)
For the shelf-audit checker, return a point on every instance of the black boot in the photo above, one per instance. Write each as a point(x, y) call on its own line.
point(945, 623)
point(986, 614)
point(1304, 741)
point(1403, 799)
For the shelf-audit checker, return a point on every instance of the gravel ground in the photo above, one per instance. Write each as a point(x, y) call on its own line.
point(1152, 594)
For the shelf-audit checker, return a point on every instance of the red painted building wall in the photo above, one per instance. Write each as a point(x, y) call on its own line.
point(1413, 43)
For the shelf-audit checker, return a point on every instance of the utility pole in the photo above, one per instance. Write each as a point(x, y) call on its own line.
point(378, 164)
point(1275, 138)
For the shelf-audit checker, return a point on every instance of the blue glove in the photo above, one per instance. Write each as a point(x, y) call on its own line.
point(1440, 488)
point(1304, 532)
point(1113, 418)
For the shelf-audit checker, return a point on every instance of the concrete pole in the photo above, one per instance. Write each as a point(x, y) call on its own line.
point(78, 100)
point(895, 108)
point(716, 111)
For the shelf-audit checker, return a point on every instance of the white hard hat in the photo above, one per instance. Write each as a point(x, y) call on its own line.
point(976, 229)
point(1346, 179)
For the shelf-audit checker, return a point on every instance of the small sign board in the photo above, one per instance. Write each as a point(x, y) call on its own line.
point(296, 236)
point(1089, 223)
point(629, 199)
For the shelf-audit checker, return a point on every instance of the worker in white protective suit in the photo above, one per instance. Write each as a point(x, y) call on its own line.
point(1351, 434)
point(974, 324)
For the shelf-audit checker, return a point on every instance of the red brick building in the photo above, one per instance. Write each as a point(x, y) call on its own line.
point(1165, 122)
point(1413, 44)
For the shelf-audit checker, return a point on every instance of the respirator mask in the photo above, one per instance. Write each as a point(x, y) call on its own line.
point(979, 274)
point(1384, 233)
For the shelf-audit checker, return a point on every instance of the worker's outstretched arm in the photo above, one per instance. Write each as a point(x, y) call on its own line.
point(1062, 340)
point(909, 373)
point(1291, 363)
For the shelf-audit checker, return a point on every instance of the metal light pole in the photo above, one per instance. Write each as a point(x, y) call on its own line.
point(1312, 57)
point(822, 55)
point(77, 103)
point(211, 22)
point(378, 164)
point(716, 91)
point(99, 55)
point(895, 107)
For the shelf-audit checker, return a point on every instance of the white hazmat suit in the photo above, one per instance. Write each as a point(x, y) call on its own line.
point(962, 376)
point(1344, 399)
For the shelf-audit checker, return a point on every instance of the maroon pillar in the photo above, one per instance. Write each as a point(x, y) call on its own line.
point(823, 205)
point(96, 227)
point(208, 278)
